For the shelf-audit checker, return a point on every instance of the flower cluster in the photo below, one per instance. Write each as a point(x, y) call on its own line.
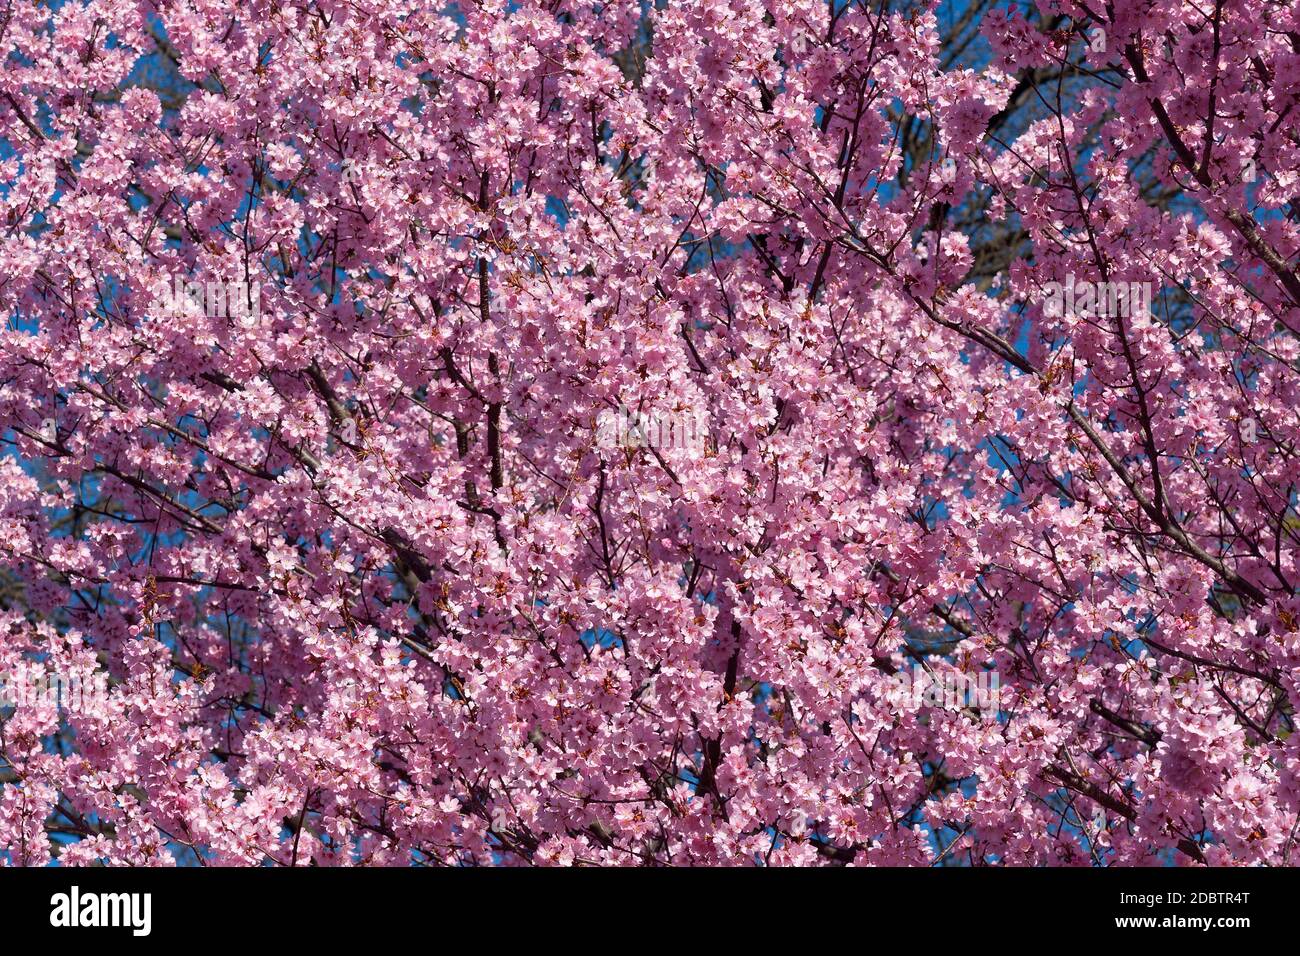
point(368, 587)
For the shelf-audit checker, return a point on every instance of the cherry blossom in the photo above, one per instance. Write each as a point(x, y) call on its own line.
point(368, 587)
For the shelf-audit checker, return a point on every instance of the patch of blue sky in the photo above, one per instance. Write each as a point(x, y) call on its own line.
point(600, 637)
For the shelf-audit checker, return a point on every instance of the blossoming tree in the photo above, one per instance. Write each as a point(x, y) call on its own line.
point(373, 581)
